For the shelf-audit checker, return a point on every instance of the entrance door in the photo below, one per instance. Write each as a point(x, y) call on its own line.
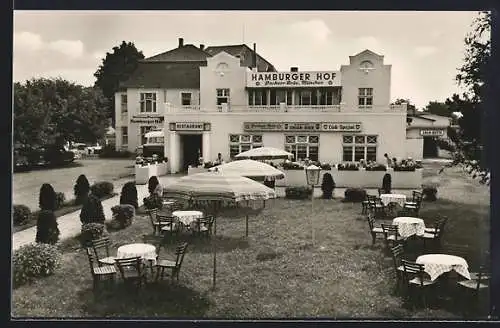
point(192, 148)
point(430, 147)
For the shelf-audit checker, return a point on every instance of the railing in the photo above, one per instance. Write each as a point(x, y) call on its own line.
point(288, 108)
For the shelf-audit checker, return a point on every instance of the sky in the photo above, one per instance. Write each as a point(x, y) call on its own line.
point(424, 48)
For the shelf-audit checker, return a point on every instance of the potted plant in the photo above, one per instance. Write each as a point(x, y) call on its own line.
point(327, 186)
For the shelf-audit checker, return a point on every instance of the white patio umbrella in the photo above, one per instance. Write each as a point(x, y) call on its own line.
point(214, 188)
point(265, 153)
point(249, 168)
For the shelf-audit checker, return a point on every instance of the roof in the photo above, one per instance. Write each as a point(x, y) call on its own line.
point(186, 53)
point(165, 75)
point(245, 54)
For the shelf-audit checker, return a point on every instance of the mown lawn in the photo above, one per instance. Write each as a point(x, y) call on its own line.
point(275, 272)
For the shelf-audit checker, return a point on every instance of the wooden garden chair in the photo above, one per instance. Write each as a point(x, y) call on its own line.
point(416, 278)
point(203, 226)
point(153, 217)
point(99, 272)
point(374, 231)
point(391, 235)
point(101, 251)
point(397, 257)
point(173, 265)
point(132, 270)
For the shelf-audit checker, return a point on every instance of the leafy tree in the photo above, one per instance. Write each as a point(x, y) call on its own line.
point(52, 111)
point(472, 76)
point(410, 107)
point(116, 67)
point(438, 108)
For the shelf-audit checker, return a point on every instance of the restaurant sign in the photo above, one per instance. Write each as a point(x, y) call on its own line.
point(189, 126)
point(432, 133)
point(305, 79)
point(149, 119)
point(302, 126)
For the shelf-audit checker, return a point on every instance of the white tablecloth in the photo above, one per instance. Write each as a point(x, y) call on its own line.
point(145, 251)
point(408, 226)
point(187, 217)
point(386, 199)
point(437, 264)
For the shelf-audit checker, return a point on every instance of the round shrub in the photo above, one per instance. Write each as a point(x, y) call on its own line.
point(21, 214)
point(327, 186)
point(47, 198)
point(91, 231)
point(123, 215)
point(429, 193)
point(102, 189)
point(60, 199)
point(355, 195)
point(298, 192)
point(92, 210)
point(129, 194)
point(387, 183)
point(81, 189)
point(153, 201)
point(32, 261)
point(348, 167)
point(47, 230)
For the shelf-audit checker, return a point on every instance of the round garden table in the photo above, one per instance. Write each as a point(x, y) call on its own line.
point(187, 218)
point(409, 226)
point(437, 264)
point(387, 199)
point(145, 251)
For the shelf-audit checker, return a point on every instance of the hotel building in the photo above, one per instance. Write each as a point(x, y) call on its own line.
point(228, 99)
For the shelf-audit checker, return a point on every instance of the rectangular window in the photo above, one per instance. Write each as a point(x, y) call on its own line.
point(186, 98)
point(239, 143)
point(123, 102)
point(365, 97)
point(303, 146)
point(257, 97)
point(148, 102)
point(305, 97)
point(359, 147)
point(124, 135)
point(222, 96)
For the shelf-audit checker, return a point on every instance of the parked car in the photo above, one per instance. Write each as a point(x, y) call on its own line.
point(21, 162)
point(79, 149)
point(95, 149)
point(49, 155)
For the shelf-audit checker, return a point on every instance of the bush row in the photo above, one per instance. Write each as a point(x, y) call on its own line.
point(52, 201)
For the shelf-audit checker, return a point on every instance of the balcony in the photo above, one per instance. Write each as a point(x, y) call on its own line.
point(286, 109)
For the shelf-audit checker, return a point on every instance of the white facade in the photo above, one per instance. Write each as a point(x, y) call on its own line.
point(230, 113)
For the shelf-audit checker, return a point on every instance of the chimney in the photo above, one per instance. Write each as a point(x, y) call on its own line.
point(181, 42)
point(202, 46)
point(294, 69)
point(254, 55)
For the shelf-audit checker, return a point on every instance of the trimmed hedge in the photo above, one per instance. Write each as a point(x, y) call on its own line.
point(32, 261)
point(102, 189)
point(47, 230)
point(404, 168)
point(60, 199)
point(21, 215)
point(92, 211)
point(47, 198)
point(92, 231)
point(129, 194)
point(429, 193)
point(355, 195)
point(122, 217)
point(81, 189)
point(298, 192)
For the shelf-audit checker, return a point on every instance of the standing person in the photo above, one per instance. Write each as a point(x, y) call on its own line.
point(388, 159)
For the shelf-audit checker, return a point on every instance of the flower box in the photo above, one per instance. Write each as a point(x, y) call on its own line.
point(356, 179)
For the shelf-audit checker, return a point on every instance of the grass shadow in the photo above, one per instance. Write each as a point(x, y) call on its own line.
point(154, 300)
